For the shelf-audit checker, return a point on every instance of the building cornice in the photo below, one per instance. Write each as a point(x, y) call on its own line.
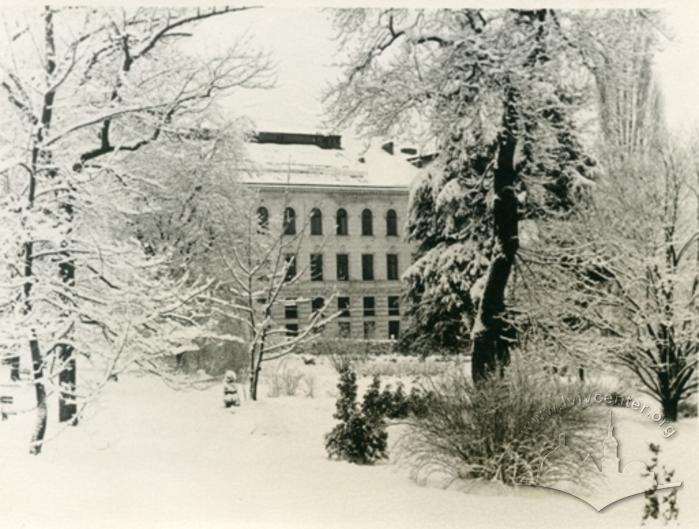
point(330, 187)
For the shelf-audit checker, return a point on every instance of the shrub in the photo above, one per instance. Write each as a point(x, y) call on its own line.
point(403, 367)
point(399, 405)
point(283, 382)
point(361, 436)
point(504, 429)
point(659, 504)
point(309, 386)
point(687, 409)
point(215, 358)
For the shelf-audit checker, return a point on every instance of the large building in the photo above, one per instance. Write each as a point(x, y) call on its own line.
point(352, 207)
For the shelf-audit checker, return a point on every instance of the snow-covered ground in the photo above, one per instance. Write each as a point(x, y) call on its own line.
point(151, 457)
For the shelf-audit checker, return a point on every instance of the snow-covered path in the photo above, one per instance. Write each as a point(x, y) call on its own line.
point(180, 460)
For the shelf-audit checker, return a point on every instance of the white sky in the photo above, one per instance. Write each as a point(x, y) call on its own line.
point(300, 43)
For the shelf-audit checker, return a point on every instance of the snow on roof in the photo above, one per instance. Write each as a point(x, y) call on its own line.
point(352, 166)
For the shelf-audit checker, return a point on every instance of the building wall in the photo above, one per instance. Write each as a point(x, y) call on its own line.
point(354, 200)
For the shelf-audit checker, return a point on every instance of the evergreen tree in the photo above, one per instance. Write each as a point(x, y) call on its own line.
point(497, 91)
point(361, 436)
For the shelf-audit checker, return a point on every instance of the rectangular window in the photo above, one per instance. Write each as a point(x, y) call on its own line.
point(369, 330)
point(291, 309)
point(290, 259)
point(393, 329)
point(317, 304)
point(316, 267)
point(392, 266)
point(344, 329)
point(342, 267)
point(343, 304)
point(292, 329)
point(369, 306)
point(289, 221)
point(367, 267)
point(394, 305)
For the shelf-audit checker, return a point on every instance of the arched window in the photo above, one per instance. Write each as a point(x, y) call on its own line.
point(342, 222)
point(289, 221)
point(391, 222)
point(316, 222)
point(263, 218)
point(367, 228)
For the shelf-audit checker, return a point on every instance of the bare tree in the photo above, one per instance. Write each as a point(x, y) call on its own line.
point(86, 88)
point(259, 277)
point(627, 283)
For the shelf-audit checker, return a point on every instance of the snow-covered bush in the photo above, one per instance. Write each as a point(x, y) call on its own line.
point(284, 382)
point(502, 429)
point(397, 404)
point(361, 436)
point(402, 367)
point(309, 386)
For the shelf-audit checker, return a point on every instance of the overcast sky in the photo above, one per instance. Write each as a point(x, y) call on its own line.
point(300, 43)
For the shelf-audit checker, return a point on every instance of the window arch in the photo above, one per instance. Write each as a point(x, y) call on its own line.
point(263, 218)
point(289, 221)
point(391, 222)
point(367, 222)
point(316, 222)
point(341, 220)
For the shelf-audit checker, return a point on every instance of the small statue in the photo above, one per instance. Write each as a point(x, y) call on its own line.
point(230, 390)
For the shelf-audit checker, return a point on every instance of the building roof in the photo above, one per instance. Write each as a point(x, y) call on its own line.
point(305, 164)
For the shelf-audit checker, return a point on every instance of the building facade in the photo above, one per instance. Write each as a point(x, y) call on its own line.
point(348, 214)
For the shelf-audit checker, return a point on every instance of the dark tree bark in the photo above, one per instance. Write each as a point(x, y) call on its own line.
point(490, 347)
point(67, 406)
point(14, 368)
point(254, 381)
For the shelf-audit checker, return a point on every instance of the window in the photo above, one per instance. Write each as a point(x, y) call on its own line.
point(369, 330)
point(342, 228)
point(342, 267)
point(289, 221)
point(367, 267)
point(263, 218)
point(291, 309)
point(317, 304)
point(344, 330)
point(392, 266)
point(292, 329)
point(391, 222)
point(369, 306)
point(393, 329)
point(316, 222)
point(290, 260)
point(367, 228)
point(316, 267)
point(343, 304)
point(393, 305)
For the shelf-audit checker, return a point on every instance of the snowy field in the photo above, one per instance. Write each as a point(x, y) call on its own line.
point(151, 457)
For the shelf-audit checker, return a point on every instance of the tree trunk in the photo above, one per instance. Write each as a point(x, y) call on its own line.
point(67, 406)
point(490, 347)
point(254, 380)
point(670, 409)
point(14, 368)
point(40, 391)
